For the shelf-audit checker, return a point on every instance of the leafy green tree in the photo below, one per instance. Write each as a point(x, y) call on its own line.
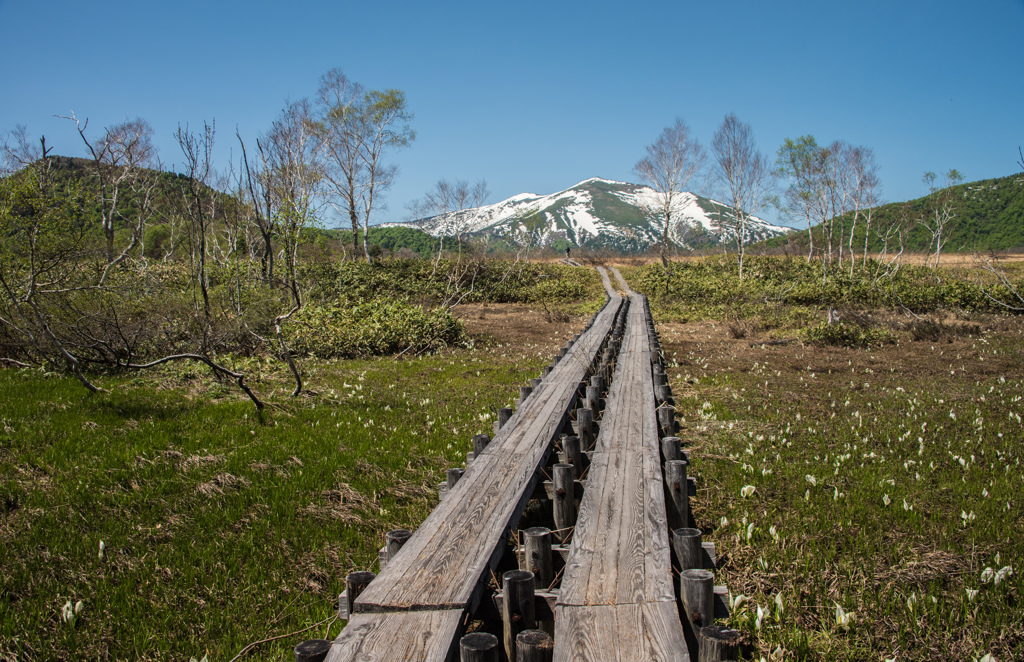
point(43, 234)
point(358, 128)
point(802, 163)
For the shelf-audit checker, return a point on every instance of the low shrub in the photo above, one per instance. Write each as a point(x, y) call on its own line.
point(840, 334)
point(375, 327)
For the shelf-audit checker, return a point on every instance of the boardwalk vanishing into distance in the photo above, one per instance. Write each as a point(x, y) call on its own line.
point(600, 425)
point(617, 601)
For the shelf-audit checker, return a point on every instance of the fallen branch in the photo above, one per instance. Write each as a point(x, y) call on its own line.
point(217, 369)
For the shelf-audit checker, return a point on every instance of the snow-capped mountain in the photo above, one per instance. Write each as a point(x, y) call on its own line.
point(595, 213)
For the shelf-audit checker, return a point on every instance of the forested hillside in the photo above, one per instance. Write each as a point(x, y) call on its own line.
point(984, 215)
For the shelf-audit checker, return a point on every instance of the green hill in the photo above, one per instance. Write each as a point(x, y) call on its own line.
point(79, 174)
point(987, 215)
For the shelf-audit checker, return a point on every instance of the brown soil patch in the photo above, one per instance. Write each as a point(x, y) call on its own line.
point(519, 323)
point(708, 347)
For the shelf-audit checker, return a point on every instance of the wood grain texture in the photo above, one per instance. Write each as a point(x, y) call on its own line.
point(619, 633)
point(421, 635)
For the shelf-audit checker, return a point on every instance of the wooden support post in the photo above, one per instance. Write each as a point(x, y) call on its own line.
point(697, 589)
point(454, 475)
point(663, 394)
point(667, 420)
point(535, 382)
point(678, 506)
point(585, 423)
point(687, 544)
point(564, 502)
point(504, 414)
point(480, 442)
point(356, 583)
point(537, 556)
point(534, 646)
point(659, 378)
point(517, 611)
point(313, 650)
point(545, 372)
point(442, 490)
point(573, 455)
point(478, 647)
point(593, 398)
point(524, 392)
point(671, 449)
point(718, 643)
point(394, 541)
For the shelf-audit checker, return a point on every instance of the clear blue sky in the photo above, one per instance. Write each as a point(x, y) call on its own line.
point(537, 96)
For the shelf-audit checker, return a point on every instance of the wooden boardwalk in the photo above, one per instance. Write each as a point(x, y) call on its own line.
point(617, 600)
point(416, 608)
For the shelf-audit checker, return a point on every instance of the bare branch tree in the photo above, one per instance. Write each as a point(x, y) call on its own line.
point(671, 161)
point(293, 174)
point(19, 150)
point(866, 195)
point(445, 198)
point(938, 218)
point(119, 160)
point(744, 176)
point(195, 204)
point(43, 242)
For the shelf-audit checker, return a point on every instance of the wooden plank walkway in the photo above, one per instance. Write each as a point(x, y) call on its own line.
point(617, 600)
point(416, 607)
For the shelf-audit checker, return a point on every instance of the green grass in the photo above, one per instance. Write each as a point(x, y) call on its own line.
point(220, 531)
point(886, 480)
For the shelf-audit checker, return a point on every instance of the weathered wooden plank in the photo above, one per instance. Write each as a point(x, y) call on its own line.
point(621, 548)
point(620, 633)
point(617, 600)
point(420, 635)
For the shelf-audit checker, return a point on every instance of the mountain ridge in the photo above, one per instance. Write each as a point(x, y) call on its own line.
point(594, 213)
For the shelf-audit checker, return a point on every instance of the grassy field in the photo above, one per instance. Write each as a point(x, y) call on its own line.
point(218, 531)
point(865, 501)
point(885, 480)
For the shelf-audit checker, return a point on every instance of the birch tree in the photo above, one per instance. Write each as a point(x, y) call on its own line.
point(744, 176)
point(866, 197)
point(671, 161)
point(941, 210)
point(801, 163)
point(358, 129)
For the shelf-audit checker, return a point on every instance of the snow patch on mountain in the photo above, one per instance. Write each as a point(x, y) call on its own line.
point(595, 211)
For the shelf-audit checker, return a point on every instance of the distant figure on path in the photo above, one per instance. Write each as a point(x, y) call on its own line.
point(567, 249)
